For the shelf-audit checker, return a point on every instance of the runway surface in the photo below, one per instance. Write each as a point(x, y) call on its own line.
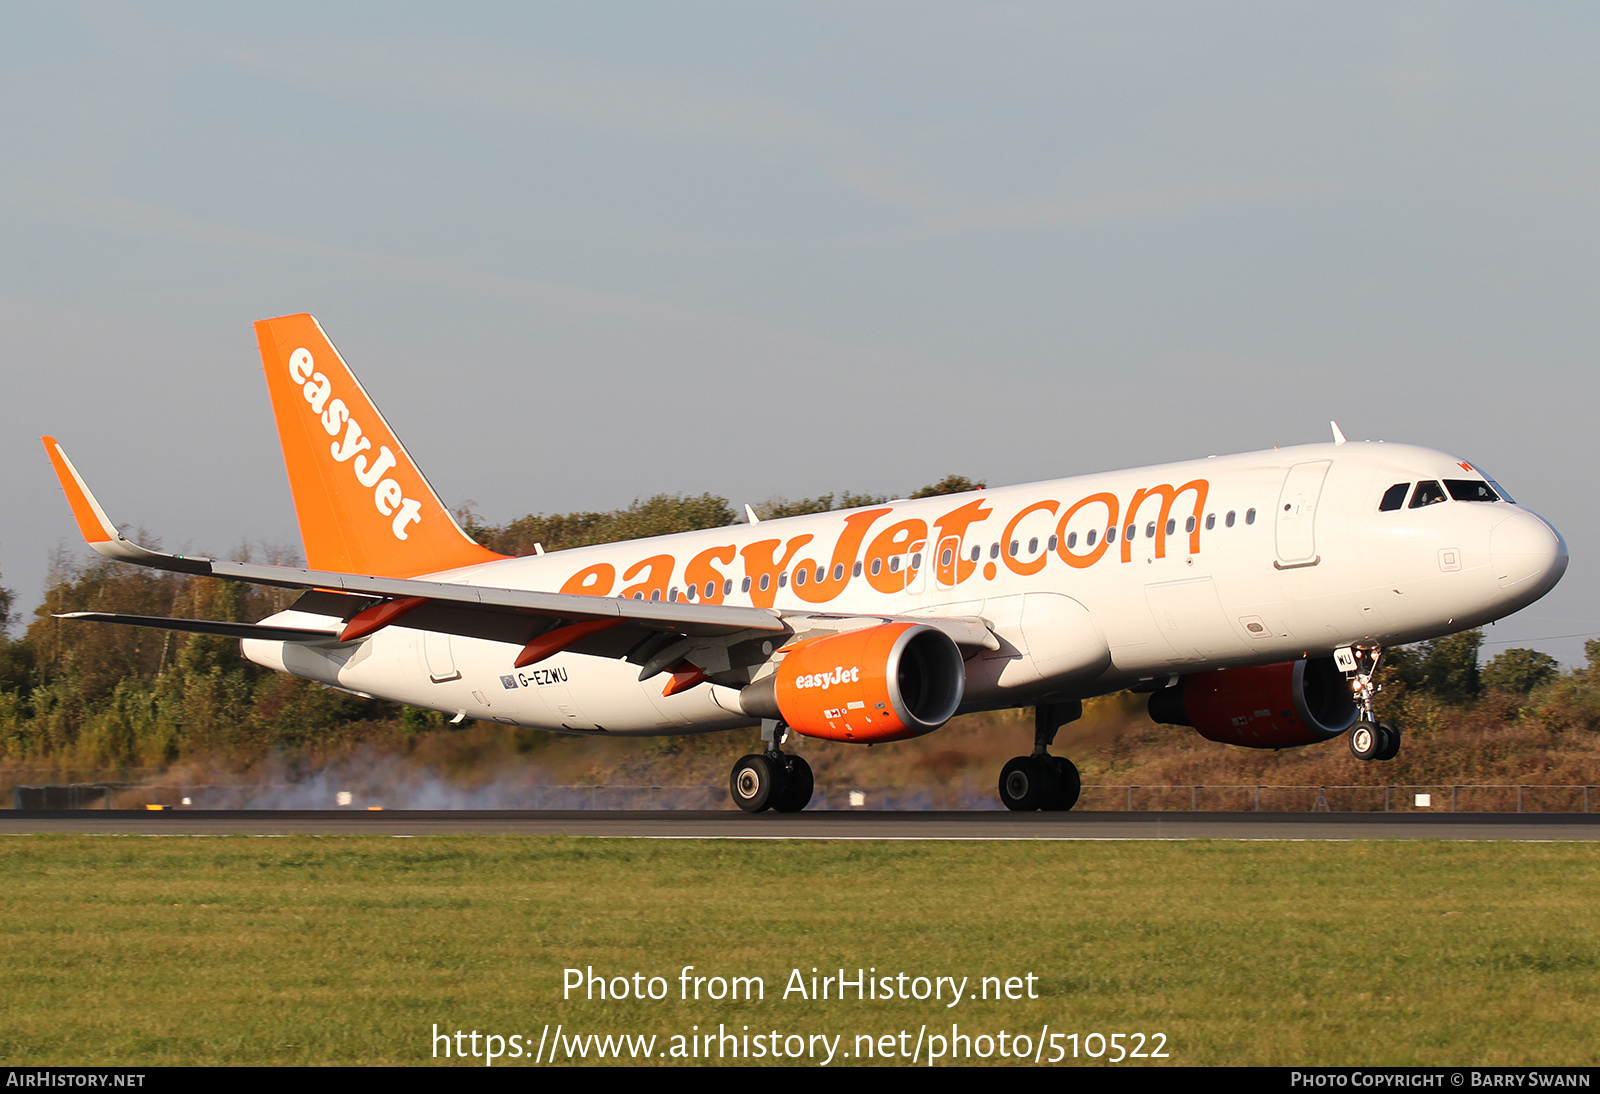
point(820, 825)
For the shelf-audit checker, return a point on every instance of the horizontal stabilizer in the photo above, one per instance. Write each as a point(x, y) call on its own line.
point(210, 626)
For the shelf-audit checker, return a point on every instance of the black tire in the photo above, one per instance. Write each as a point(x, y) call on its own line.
point(797, 786)
point(1026, 784)
point(753, 784)
point(1390, 737)
point(1366, 740)
point(1069, 784)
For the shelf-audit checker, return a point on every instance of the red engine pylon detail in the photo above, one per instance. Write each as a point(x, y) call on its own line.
point(1261, 706)
point(883, 683)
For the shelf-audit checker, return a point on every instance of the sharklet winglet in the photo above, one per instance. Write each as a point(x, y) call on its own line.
point(98, 532)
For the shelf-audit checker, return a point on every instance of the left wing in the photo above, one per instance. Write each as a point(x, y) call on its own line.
point(726, 643)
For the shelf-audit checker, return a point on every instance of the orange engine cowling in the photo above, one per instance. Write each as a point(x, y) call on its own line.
point(1261, 706)
point(884, 683)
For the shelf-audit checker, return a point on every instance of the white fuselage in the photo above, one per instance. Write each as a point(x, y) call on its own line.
point(1245, 559)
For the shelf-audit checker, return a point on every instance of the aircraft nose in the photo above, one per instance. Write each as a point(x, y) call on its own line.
point(1527, 554)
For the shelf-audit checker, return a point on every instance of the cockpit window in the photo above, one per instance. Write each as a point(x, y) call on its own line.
point(1394, 497)
point(1428, 493)
point(1470, 490)
point(1498, 489)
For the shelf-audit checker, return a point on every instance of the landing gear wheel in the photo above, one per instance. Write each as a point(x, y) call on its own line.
point(1389, 737)
point(1027, 783)
point(795, 793)
point(1068, 785)
point(1040, 780)
point(1366, 740)
point(754, 783)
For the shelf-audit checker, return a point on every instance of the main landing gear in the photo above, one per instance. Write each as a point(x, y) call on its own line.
point(1040, 780)
point(772, 779)
point(1369, 738)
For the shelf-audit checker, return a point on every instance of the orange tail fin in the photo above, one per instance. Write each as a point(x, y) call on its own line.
point(363, 506)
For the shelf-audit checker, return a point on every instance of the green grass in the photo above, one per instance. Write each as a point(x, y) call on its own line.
point(130, 951)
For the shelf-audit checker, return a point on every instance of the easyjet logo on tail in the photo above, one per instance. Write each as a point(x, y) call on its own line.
point(354, 448)
point(363, 504)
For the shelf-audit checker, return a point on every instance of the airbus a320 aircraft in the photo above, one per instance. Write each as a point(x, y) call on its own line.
point(1250, 596)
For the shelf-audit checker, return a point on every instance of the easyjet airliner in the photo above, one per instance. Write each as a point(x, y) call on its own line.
point(1250, 596)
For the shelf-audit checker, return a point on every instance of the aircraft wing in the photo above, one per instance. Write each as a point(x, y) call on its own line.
point(651, 633)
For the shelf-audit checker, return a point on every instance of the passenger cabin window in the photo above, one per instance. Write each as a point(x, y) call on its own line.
point(1229, 520)
point(1428, 493)
point(1249, 516)
point(1470, 490)
point(1211, 521)
point(1394, 497)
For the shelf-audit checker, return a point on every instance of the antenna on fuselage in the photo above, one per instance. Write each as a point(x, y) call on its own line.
point(750, 514)
point(1338, 434)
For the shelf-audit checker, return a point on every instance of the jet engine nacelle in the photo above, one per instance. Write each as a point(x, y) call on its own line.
point(1261, 706)
point(883, 683)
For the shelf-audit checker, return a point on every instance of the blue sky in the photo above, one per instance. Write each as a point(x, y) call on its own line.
point(586, 253)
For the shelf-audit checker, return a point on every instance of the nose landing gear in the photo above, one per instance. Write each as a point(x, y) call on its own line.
point(1040, 780)
point(1374, 740)
point(1370, 739)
